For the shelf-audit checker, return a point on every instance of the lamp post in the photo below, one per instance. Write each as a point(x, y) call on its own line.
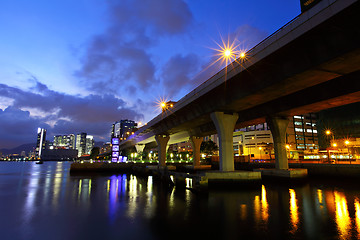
point(260, 151)
point(347, 146)
point(288, 148)
point(328, 133)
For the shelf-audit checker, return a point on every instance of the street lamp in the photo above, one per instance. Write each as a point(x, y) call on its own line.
point(288, 148)
point(347, 145)
point(260, 151)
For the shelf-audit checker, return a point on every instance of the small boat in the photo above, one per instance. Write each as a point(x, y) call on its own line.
point(39, 162)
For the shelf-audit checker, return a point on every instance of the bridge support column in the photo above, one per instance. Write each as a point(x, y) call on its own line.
point(162, 141)
point(196, 143)
point(278, 126)
point(140, 148)
point(225, 124)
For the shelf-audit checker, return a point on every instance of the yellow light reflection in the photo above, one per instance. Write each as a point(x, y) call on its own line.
point(80, 186)
point(294, 214)
point(261, 207)
point(319, 194)
point(243, 212)
point(357, 216)
point(264, 204)
point(89, 187)
point(342, 217)
point(257, 209)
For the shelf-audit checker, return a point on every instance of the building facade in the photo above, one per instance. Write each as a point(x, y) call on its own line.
point(81, 143)
point(64, 141)
point(41, 141)
point(257, 142)
point(123, 129)
point(89, 143)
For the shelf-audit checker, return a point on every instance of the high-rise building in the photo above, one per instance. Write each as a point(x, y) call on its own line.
point(89, 143)
point(64, 141)
point(81, 143)
point(123, 128)
point(40, 143)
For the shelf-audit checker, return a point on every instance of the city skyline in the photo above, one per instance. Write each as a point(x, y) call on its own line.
point(107, 61)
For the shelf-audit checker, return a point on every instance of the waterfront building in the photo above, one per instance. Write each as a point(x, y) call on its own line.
point(257, 142)
point(184, 147)
point(64, 141)
point(89, 144)
point(40, 143)
point(105, 148)
point(81, 143)
point(23, 154)
point(123, 128)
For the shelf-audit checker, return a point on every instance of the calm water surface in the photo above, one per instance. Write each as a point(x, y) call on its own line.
point(46, 202)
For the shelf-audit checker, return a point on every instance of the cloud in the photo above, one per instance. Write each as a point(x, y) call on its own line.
point(17, 127)
point(120, 58)
point(59, 113)
point(178, 72)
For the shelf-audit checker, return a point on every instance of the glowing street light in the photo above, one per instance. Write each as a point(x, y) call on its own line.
point(163, 105)
point(347, 142)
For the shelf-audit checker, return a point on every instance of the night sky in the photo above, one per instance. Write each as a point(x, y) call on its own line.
point(78, 66)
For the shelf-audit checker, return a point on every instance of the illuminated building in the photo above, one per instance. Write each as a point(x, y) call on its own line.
point(89, 144)
point(40, 143)
point(257, 141)
point(123, 128)
point(64, 141)
point(81, 143)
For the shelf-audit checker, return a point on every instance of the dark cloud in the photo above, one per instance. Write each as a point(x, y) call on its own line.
point(178, 72)
point(120, 57)
point(17, 127)
point(59, 113)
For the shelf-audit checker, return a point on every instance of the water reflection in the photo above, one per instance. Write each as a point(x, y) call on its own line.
point(136, 206)
point(342, 217)
point(294, 214)
point(357, 216)
point(264, 204)
point(261, 207)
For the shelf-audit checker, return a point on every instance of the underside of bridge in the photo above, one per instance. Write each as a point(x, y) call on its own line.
point(311, 64)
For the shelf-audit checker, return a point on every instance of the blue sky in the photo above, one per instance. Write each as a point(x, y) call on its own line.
point(78, 66)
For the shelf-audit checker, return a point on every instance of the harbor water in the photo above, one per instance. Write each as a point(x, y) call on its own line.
point(44, 201)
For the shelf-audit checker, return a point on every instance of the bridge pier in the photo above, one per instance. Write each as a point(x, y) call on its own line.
point(162, 141)
point(196, 143)
point(225, 124)
point(278, 126)
point(139, 148)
